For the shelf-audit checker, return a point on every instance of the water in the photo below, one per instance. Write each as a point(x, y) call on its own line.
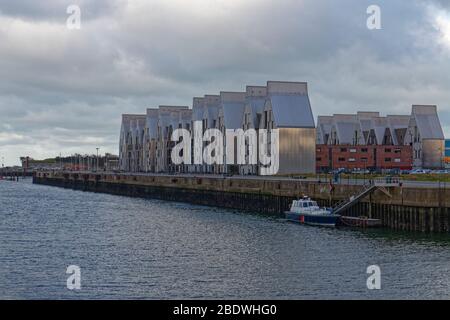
point(134, 248)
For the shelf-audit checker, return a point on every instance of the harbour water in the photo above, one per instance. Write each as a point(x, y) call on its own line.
point(130, 248)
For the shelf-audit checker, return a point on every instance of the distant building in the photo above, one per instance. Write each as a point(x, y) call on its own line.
point(75, 162)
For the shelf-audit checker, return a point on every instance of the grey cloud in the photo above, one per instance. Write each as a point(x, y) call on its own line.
point(65, 90)
point(56, 10)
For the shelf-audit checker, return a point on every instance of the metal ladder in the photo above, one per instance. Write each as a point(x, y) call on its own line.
point(346, 204)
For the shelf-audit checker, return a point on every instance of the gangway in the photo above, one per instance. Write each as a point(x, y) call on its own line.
point(347, 204)
point(379, 183)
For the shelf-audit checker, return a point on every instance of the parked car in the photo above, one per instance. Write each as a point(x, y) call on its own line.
point(440, 172)
point(360, 171)
point(392, 171)
point(420, 171)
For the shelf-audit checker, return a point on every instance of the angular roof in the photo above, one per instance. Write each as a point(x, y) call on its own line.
point(379, 126)
point(256, 91)
point(197, 108)
point(367, 114)
point(152, 123)
point(211, 108)
point(398, 123)
point(127, 118)
point(232, 106)
point(427, 121)
point(255, 101)
point(137, 125)
point(324, 125)
point(345, 126)
point(255, 106)
point(290, 103)
point(131, 123)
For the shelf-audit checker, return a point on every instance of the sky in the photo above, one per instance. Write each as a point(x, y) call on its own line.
point(63, 90)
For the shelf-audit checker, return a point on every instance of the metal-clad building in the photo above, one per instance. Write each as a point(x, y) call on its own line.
point(254, 106)
point(145, 143)
point(288, 109)
point(231, 110)
point(130, 144)
point(426, 137)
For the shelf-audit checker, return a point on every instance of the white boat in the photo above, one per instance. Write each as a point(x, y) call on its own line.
point(306, 211)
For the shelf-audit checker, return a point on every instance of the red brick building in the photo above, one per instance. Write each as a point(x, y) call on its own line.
point(372, 157)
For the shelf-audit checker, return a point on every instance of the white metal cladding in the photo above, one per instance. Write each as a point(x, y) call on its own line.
point(433, 153)
point(197, 109)
point(297, 151)
point(398, 124)
point(152, 123)
point(292, 111)
point(379, 125)
point(429, 126)
point(324, 126)
point(232, 114)
point(255, 106)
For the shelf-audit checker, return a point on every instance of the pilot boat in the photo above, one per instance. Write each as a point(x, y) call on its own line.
point(306, 211)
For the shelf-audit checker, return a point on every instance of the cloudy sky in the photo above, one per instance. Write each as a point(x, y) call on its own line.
point(63, 91)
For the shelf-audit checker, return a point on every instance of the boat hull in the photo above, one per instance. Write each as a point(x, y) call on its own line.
point(323, 220)
point(360, 222)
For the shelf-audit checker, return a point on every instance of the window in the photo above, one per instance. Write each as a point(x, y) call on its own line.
point(388, 150)
point(397, 160)
point(364, 150)
point(387, 159)
point(364, 159)
point(318, 159)
point(319, 150)
point(352, 150)
point(398, 151)
point(341, 159)
point(351, 160)
point(343, 149)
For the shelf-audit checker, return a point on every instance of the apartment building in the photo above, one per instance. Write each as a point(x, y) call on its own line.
point(146, 145)
point(367, 140)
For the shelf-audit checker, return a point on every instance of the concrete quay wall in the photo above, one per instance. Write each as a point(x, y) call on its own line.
point(399, 208)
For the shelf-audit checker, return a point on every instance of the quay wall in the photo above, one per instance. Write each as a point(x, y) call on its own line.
point(399, 208)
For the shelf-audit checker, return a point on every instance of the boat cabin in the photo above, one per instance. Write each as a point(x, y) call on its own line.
point(305, 203)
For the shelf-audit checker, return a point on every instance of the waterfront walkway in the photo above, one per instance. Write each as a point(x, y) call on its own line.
point(355, 180)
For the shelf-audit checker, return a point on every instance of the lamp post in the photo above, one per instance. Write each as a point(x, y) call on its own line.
point(96, 169)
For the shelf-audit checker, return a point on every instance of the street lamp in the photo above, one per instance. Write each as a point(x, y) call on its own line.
point(97, 159)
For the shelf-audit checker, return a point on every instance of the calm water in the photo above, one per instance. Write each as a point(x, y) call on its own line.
point(134, 248)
